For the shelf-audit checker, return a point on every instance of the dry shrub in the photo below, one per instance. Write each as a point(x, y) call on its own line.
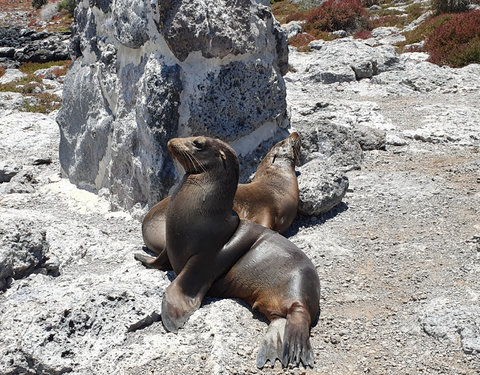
point(282, 11)
point(457, 41)
point(386, 21)
point(333, 15)
point(2, 71)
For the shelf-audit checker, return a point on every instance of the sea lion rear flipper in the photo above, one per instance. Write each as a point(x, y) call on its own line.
point(296, 343)
point(271, 347)
point(161, 262)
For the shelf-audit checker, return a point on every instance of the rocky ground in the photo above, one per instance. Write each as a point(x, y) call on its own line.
point(399, 259)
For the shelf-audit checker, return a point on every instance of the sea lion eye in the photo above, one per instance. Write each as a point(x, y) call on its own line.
point(197, 144)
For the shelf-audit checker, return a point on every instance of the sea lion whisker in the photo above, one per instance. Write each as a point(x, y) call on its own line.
point(190, 159)
point(200, 165)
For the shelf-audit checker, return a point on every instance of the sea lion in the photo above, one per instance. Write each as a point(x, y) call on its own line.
point(271, 200)
point(214, 252)
point(276, 278)
point(199, 221)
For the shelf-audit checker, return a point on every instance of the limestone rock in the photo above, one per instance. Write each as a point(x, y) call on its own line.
point(345, 60)
point(445, 320)
point(293, 28)
point(144, 74)
point(322, 187)
point(23, 249)
point(11, 75)
point(370, 138)
point(331, 144)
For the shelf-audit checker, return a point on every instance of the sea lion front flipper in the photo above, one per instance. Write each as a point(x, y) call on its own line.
point(161, 262)
point(183, 296)
point(271, 347)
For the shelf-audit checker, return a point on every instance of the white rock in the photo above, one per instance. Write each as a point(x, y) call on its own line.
point(11, 75)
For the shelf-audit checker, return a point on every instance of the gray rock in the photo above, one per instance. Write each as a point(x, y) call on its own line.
point(11, 75)
point(44, 47)
point(208, 27)
point(7, 171)
point(382, 32)
point(23, 181)
point(7, 52)
point(237, 100)
point(332, 144)
point(293, 28)
point(370, 138)
point(48, 73)
point(322, 187)
point(130, 22)
point(446, 320)
point(340, 33)
point(23, 250)
point(10, 101)
point(144, 74)
point(345, 60)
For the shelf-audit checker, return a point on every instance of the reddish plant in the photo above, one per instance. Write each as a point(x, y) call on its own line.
point(333, 15)
point(456, 42)
point(363, 34)
point(300, 40)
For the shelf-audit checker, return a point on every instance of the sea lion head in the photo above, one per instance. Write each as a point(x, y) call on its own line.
point(288, 149)
point(203, 154)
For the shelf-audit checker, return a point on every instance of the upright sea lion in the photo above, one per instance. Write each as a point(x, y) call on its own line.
point(213, 252)
point(271, 200)
point(199, 221)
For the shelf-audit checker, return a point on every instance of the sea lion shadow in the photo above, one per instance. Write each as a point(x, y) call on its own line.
point(303, 221)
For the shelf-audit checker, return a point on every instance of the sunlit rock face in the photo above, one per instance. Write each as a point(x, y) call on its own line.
point(145, 72)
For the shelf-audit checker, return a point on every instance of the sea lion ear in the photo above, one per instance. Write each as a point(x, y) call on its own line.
point(224, 158)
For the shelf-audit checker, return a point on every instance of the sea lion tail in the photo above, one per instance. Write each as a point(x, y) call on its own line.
point(271, 347)
point(296, 341)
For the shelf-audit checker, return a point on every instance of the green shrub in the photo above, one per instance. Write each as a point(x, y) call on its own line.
point(456, 42)
point(386, 21)
point(450, 6)
point(68, 5)
point(37, 4)
point(42, 103)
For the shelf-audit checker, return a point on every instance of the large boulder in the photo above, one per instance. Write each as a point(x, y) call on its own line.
point(344, 60)
point(145, 73)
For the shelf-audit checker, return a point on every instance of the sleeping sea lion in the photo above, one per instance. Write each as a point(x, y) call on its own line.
point(271, 199)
